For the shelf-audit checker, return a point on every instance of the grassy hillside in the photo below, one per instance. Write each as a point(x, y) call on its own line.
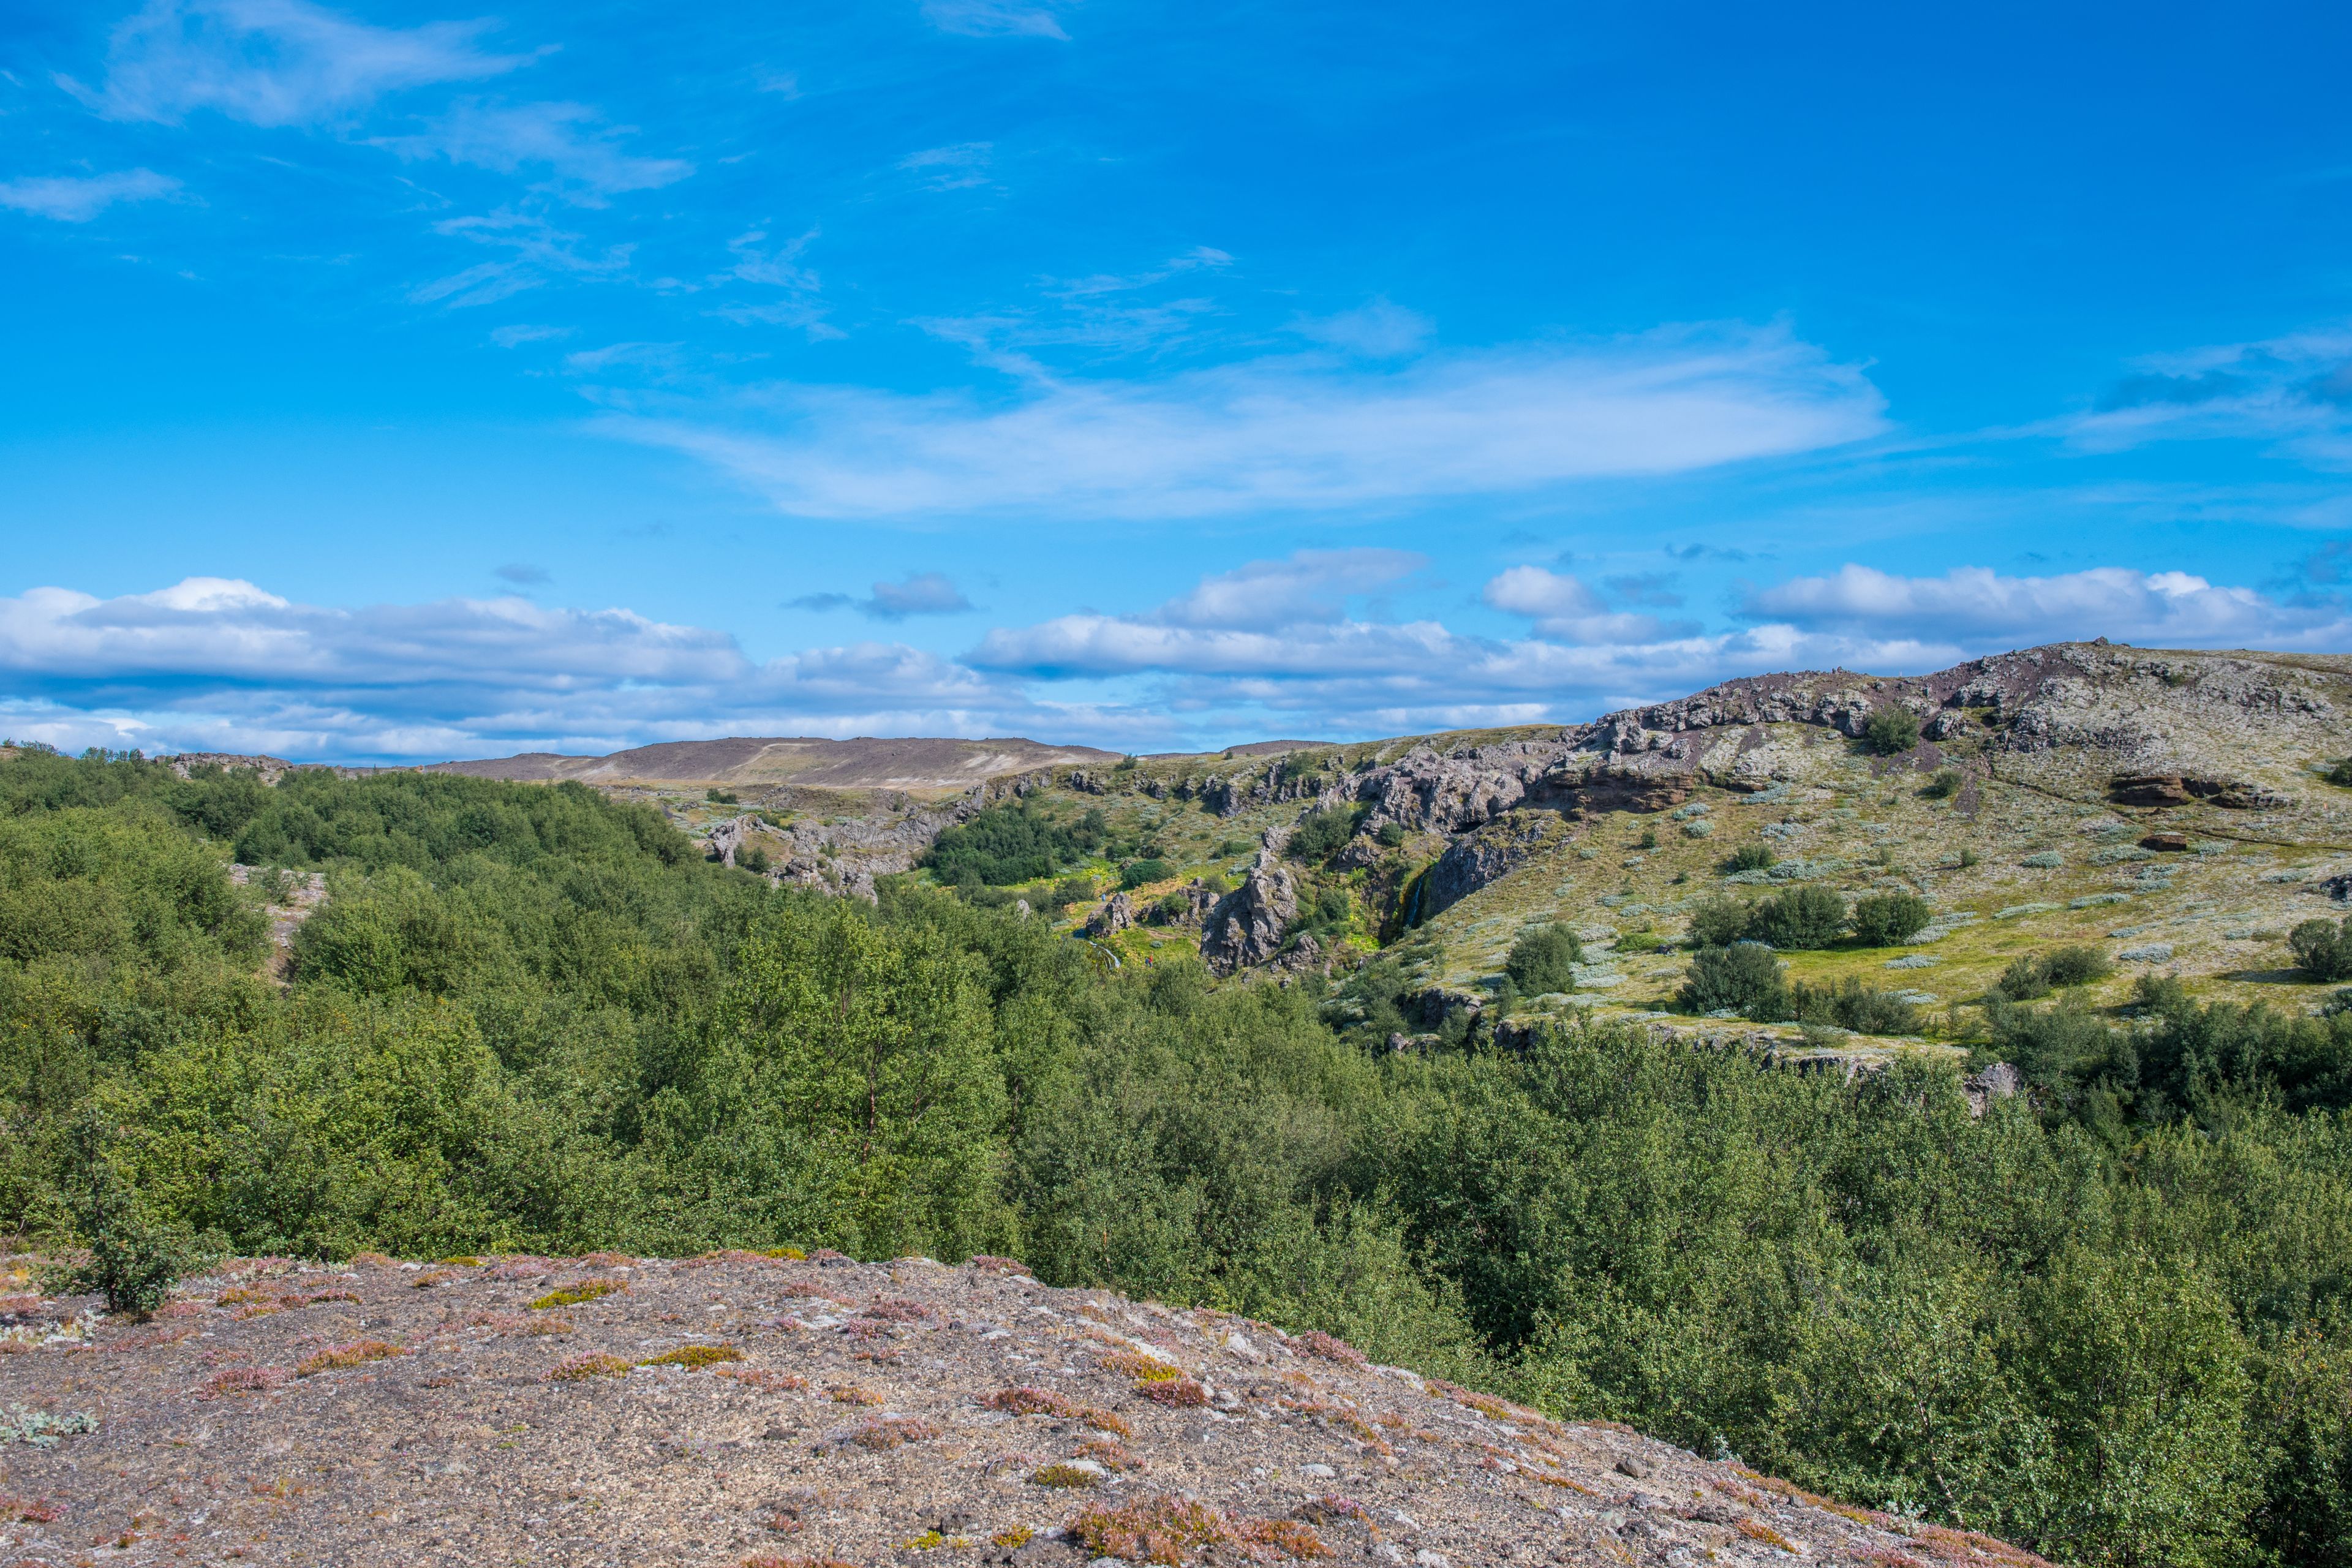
point(2108, 1320)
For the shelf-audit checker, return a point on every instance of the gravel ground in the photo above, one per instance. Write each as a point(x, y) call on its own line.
point(500, 1412)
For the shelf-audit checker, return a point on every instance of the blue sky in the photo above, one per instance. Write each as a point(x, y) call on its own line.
point(409, 381)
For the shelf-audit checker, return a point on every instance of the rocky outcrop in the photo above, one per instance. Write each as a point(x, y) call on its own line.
point(1247, 927)
point(1197, 901)
point(2178, 789)
point(1998, 1081)
point(1494, 851)
point(1117, 913)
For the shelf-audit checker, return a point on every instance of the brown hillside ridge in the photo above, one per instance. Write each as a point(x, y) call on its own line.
point(765, 1410)
point(922, 766)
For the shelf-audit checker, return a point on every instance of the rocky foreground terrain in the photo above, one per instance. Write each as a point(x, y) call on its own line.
point(774, 1412)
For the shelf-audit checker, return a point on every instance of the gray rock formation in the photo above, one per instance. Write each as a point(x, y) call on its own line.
point(1116, 914)
point(1477, 859)
point(1998, 1081)
point(1247, 925)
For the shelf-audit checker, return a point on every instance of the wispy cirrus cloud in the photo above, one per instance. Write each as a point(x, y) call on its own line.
point(78, 198)
point(2293, 391)
point(581, 157)
point(1279, 433)
point(274, 62)
point(995, 18)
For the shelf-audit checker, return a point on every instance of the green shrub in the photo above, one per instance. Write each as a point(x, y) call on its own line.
point(1719, 922)
point(722, 797)
point(1013, 842)
point(1882, 919)
point(1392, 835)
point(1544, 959)
point(2340, 773)
point(2076, 965)
point(1232, 847)
point(1754, 856)
point(1135, 873)
point(1320, 834)
point(1074, 890)
point(1799, 918)
point(1891, 730)
point(2323, 950)
point(1942, 784)
point(133, 1260)
point(1866, 1010)
point(2023, 979)
point(1649, 839)
point(752, 857)
point(1744, 977)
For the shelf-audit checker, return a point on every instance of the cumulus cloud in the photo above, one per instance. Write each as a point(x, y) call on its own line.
point(582, 158)
point(1562, 607)
point(1978, 607)
point(1278, 432)
point(2293, 391)
point(919, 593)
point(274, 62)
point(78, 198)
point(1310, 585)
point(220, 663)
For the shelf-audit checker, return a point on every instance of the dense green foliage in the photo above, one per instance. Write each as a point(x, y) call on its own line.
point(1801, 917)
point(1882, 919)
point(2324, 950)
point(1320, 834)
point(1740, 977)
point(1013, 842)
point(1544, 959)
point(1891, 730)
point(2111, 1319)
point(1753, 856)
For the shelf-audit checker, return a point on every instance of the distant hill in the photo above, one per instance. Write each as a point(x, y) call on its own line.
point(917, 765)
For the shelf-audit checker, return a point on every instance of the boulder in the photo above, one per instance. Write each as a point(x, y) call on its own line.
point(1998, 1081)
point(2176, 842)
point(1247, 924)
point(1116, 914)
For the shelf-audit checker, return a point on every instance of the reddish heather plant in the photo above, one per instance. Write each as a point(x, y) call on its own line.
point(31, 1510)
point(769, 1560)
point(1143, 1368)
point(851, 1394)
point(892, 1431)
point(242, 1380)
point(896, 1309)
point(1025, 1400)
point(1181, 1394)
point(1316, 1343)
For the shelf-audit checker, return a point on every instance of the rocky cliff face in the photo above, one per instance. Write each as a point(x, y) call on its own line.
point(1247, 925)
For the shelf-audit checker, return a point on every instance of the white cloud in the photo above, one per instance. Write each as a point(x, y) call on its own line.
point(215, 663)
point(78, 198)
point(956, 168)
point(987, 18)
point(1982, 609)
point(1311, 586)
point(274, 62)
point(1279, 432)
point(535, 250)
point(1562, 607)
point(583, 157)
